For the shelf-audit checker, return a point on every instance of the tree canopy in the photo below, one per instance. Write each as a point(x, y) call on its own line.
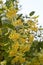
point(19, 43)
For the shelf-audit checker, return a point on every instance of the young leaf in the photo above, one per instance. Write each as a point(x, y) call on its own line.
point(32, 13)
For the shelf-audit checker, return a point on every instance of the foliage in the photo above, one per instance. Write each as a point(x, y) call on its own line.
point(18, 44)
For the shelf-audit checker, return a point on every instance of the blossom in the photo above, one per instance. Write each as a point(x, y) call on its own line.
point(34, 28)
point(31, 38)
point(24, 48)
point(14, 50)
point(12, 53)
point(15, 46)
point(33, 25)
point(17, 22)
point(14, 36)
point(15, 60)
point(11, 13)
point(23, 40)
point(19, 59)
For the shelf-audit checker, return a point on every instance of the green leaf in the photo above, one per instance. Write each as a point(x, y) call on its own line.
point(19, 16)
point(32, 13)
point(13, 0)
point(8, 4)
point(40, 45)
point(9, 26)
point(0, 23)
point(4, 31)
point(5, 39)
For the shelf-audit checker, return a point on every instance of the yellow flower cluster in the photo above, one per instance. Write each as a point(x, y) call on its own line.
point(19, 59)
point(14, 35)
point(11, 13)
point(31, 38)
point(22, 40)
point(33, 25)
point(14, 49)
point(24, 48)
point(18, 52)
point(20, 45)
point(17, 22)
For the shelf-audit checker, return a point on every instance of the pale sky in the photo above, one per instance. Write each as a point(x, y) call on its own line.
point(32, 5)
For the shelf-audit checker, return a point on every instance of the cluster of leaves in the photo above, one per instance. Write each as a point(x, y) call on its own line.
point(17, 36)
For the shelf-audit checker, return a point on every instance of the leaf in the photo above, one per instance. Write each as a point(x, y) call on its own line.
point(35, 17)
point(5, 39)
point(13, 0)
point(9, 25)
point(40, 44)
point(19, 16)
point(1, 10)
point(4, 31)
point(32, 13)
point(0, 23)
point(8, 3)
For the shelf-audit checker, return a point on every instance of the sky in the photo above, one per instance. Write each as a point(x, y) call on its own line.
point(32, 5)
